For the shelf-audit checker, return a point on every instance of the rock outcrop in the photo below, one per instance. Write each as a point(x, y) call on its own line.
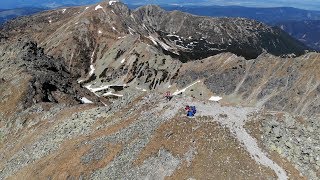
point(30, 76)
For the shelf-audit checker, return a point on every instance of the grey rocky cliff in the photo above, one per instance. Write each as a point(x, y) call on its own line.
point(49, 79)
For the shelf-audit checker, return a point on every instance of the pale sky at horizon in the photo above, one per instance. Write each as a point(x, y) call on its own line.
point(302, 4)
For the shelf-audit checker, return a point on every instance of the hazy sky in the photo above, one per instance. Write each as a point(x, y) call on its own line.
point(303, 4)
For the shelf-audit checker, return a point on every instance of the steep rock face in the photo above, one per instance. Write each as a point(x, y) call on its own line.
point(51, 80)
point(30, 76)
point(133, 62)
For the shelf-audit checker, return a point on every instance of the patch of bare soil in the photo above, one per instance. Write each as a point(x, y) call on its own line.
point(11, 96)
point(69, 162)
point(28, 135)
point(207, 151)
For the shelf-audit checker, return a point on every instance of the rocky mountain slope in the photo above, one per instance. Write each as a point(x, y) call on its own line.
point(28, 76)
point(82, 97)
point(276, 83)
point(300, 24)
point(305, 31)
point(87, 30)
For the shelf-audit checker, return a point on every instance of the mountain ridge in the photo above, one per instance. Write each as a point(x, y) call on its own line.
point(228, 38)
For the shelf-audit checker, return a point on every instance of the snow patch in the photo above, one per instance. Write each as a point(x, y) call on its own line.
point(111, 2)
point(183, 90)
point(97, 89)
point(156, 41)
point(176, 53)
point(98, 7)
point(173, 35)
point(92, 69)
point(132, 16)
point(164, 45)
point(131, 31)
point(84, 100)
point(112, 94)
point(92, 55)
point(145, 27)
point(80, 81)
point(144, 90)
point(153, 40)
point(215, 98)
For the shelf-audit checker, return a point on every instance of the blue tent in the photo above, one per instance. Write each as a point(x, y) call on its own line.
point(190, 114)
